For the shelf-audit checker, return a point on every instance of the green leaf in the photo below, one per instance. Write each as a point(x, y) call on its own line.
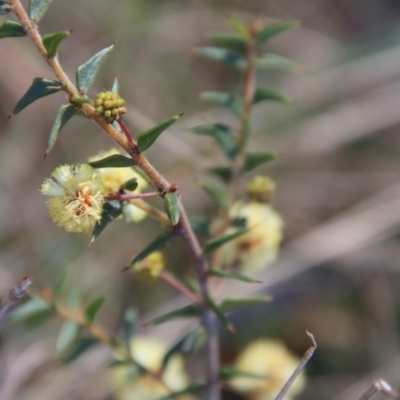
point(160, 241)
point(222, 135)
point(114, 161)
point(59, 286)
point(147, 138)
point(220, 314)
point(64, 114)
point(32, 311)
point(40, 87)
point(224, 173)
point(37, 8)
point(231, 304)
point(275, 29)
point(51, 41)
point(111, 211)
point(227, 372)
point(233, 42)
point(262, 94)
point(230, 57)
point(194, 388)
point(240, 27)
point(93, 308)
point(131, 184)
point(81, 100)
point(231, 275)
point(273, 61)
point(186, 346)
point(253, 160)
point(11, 29)
point(172, 207)
point(80, 347)
point(230, 101)
point(213, 244)
point(128, 326)
point(200, 225)
point(86, 73)
point(217, 193)
point(5, 7)
point(115, 85)
point(184, 312)
point(68, 336)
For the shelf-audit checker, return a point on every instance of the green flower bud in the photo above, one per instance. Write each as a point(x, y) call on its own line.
point(109, 105)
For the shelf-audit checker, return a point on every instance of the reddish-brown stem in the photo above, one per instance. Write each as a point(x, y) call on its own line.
point(172, 281)
point(124, 197)
point(127, 134)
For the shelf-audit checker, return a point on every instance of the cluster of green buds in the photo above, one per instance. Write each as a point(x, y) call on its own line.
point(110, 105)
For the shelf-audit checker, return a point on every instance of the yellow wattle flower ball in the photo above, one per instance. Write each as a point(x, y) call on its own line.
point(258, 247)
point(150, 267)
point(270, 358)
point(149, 353)
point(261, 188)
point(113, 178)
point(76, 197)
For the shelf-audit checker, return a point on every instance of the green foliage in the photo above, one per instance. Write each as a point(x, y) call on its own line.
point(213, 244)
point(273, 61)
point(113, 161)
point(231, 275)
point(5, 7)
point(64, 114)
point(80, 346)
point(131, 185)
point(67, 338)
point(93, 308)
point(200, 225)
point(194, 388)
point(272, 30)
point(229, 57)
point(111, 211)
point(146, 139)
point(230, 101)
point(53, 40)
point(240, 27)
point(86, 73)
point(230, 41)
point(60, 285)
point(254, 160)
point(33, 311)
point(128, 326)
point(217, 193)
point(40, 87)
point(37, 9)
point(11, 29)
point(232, 304)
point(220, 314)
point(262, 94)
point(191, 310)
point(172, 207)
point(115, 86)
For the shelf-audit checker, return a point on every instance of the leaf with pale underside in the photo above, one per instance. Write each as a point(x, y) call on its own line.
point(272, 30)
point(229, 57)
point(68, 336)
point(230, 101)
point(274, 61)
point(37, 9)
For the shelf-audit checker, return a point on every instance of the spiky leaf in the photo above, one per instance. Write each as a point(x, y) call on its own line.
point(111, 211)
point(146, 139)
point(11, 29)
point(114, 161)
point(213, 244)
point(262, 94)
point(37, 9)
point(160, 241)
point(275, 29)
point(172, 207)
point(229, 57)
point(233, 42)
point(53, 40)
point(93, 308)
point(115, 86)
point(231, 304)
point(68, 336)
point(86, 73)
point(64, 114)
point(222, 135)
point(40, 87)
point(230, 101)
point(231, 275)
point(220, 314)
point(253, 160)
point(184, 312)
point(5, 7)
point(217, 193)
point(273, 61)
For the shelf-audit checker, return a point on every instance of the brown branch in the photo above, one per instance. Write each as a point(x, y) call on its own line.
point(309, 353)
point(15, 295)
point(172, 281)
point(125, 197)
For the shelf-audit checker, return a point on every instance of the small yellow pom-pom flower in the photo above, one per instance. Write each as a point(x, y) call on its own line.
point(149, 353)
point(151, 267)
point(76, 197)
point(259, 246)
point(261, 188)
point(113, 178)
point(110, 106)
point(270, 358)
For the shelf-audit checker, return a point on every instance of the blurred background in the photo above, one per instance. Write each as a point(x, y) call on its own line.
point(338, 179)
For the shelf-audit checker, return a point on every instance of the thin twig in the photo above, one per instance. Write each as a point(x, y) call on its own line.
point(380, 386)
point(309, 353)
point(15, 295)
point(125, 197)
point(172, 281)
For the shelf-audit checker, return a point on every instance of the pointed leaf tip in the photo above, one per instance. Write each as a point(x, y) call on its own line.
point(86, 73)
point(93, 308)
point(52, 41)
point(172, 207)
point(40, 87)
point(37, 9)
point(11, 29)
point(111, 211)
point(275, 29)
point(229, 57)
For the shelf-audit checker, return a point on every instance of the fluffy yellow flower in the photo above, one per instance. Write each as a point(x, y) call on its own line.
point(270, 358)
point(113, 178)
point(151, 267)
point(76, 197)
point(149, 353)
point(258, 247)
